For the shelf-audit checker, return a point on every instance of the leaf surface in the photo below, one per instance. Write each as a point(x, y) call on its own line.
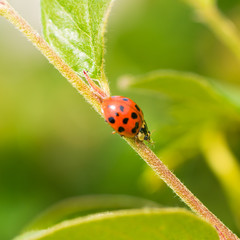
point(85, 205)
point(75, 30)
point(188, 101)
point(183, 86)
point(154, 224)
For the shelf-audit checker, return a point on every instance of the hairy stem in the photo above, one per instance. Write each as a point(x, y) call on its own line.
point(223, 28)
point(180, 189)
point(10, 14)
point(151, 159)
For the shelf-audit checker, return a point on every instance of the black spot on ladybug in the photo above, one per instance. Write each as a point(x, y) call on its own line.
point(121, 129)
point(134, 130)
point(125, 99)
point(111, 120)
point(134, 115)
point(116, 114)
point(125, 120)
point(121, 108)
point(137, 107)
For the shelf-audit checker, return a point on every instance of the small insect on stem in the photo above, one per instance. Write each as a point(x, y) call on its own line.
point(122, 114)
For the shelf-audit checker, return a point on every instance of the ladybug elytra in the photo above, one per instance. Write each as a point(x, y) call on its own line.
point(122, 114)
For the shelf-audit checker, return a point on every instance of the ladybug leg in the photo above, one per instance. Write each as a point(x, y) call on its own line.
point(137, 141)
point(152, 142)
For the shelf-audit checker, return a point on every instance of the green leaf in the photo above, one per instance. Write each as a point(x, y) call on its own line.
point(189, 103)
point(201, 3)
point(167, 224)
point(180, 86)
point(75, 30)
point(80, 206)
point(226, 168)
point(192, 99)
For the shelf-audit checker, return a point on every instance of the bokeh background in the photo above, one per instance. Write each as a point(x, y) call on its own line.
point(54, 146)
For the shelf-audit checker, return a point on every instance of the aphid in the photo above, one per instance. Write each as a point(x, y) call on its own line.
point(122, 114)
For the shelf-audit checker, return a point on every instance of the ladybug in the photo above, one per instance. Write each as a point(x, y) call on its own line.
point(122, 114)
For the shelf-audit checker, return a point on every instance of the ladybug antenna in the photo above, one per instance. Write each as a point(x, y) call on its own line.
point(154, 130)
point(97, 90)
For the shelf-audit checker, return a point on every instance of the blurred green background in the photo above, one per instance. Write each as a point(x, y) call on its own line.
point(54, 146)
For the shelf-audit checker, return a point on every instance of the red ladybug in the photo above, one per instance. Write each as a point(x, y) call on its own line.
point(123, 114)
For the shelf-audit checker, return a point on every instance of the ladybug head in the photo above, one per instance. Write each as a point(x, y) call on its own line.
point(144, 134)
point(147, 136)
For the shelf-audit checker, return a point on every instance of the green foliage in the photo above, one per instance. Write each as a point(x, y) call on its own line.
point(205, 103)
point(38, 136)
point(169, 224)
point(194, 101)
point(86, 205)
point(75, 30)
point(186, 88)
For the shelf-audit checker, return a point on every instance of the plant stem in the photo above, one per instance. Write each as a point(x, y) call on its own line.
point(12, 16)
point(224, 29)
point(179, 188)
point(151, 159)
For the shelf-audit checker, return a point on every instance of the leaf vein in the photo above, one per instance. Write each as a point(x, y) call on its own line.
point(75, 23)
point(91, 38)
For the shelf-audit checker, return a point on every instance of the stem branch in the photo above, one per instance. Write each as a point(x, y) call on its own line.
point(180, 189)
point(151, 159)
point(12, 16)
point(224, 165)
point(223, 28)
